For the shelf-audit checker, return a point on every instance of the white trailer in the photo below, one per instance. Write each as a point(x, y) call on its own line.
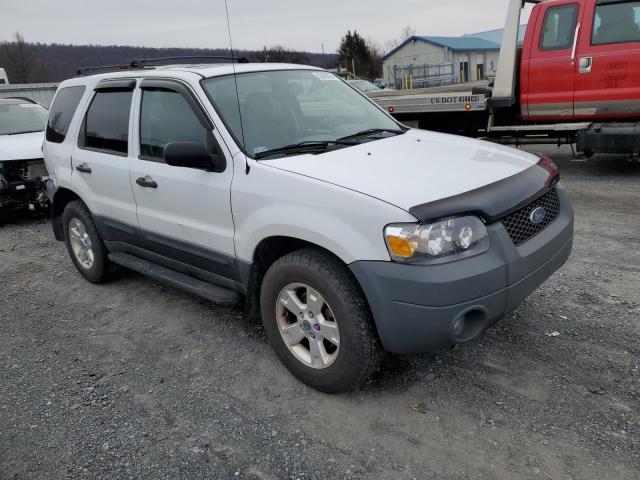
point(416, 107)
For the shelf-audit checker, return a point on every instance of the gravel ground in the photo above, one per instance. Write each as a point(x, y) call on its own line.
point(137, 380)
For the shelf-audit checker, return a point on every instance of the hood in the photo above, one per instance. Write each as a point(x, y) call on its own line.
point(24, 146)
point(416, 168)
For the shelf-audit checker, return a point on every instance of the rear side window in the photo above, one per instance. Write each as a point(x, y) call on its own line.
point(559, 27)
point(106, 125)
point(616, 23)
point(166, 117)
point(62, 111)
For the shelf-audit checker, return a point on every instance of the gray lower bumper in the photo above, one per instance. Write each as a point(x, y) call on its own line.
point(420, 308)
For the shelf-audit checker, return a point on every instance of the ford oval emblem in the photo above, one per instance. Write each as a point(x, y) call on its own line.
point(537, 215)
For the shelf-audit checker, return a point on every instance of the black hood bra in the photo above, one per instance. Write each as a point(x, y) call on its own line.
point(494, 201)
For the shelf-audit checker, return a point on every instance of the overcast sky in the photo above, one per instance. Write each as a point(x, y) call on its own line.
point(300, 24)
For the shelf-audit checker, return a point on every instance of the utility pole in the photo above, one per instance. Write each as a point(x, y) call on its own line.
point(353, 67)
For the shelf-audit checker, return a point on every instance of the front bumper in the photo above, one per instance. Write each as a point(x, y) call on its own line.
point(420, 308)
point(25, 194)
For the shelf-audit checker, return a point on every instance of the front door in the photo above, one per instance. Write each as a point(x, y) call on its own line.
point(184, 213)
point(480, 72)
point(464, 69)
point(550, 68)
point(608, 73)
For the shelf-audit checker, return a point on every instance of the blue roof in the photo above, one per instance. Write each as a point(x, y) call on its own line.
point(455, 44)
point(496, 35)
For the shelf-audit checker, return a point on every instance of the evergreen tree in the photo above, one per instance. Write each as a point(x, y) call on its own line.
point(353, 52)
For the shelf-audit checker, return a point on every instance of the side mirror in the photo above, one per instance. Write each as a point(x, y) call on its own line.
point(193, 155)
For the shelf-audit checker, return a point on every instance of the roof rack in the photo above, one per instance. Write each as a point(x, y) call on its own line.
point(105, 68)
point(169, 60)
point(153, 62)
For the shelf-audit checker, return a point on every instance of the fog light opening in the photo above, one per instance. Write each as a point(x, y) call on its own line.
point(469, 324)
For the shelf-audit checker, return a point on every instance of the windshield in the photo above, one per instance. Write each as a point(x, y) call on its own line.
point(282, 108)
point(22, 117)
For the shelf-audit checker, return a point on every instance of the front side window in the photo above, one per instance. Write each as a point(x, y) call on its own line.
point(276, 109)
point(106, 125)
point(20, 116)
point(616, 23)
point(166, 117)
point(62, 112)
point(559, 27)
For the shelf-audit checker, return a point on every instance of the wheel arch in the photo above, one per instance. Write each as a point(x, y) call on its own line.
point(61, 198)
point(266, 252)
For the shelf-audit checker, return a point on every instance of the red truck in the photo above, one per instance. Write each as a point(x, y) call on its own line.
point(574, 80)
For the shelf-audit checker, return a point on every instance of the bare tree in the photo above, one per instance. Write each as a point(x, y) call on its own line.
point(407, 33)
point(21, 60)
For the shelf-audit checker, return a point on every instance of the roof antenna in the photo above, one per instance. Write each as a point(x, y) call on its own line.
point(235, 79)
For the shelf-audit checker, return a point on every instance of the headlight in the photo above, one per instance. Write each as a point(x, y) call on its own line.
point(437, 242)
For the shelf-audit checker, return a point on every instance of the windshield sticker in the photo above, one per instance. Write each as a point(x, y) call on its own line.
point(326, 76)
point(258, 150)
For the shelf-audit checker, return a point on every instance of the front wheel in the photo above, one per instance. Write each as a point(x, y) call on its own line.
point(318, 321)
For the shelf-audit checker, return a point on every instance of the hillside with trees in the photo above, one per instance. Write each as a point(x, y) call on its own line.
point(36, 62)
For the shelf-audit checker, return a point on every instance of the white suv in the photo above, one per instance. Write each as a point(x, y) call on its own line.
point(283, 188)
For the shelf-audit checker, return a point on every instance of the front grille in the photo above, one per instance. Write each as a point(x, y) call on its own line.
point(519, 224)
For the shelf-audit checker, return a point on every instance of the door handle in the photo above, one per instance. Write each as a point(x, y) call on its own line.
point(147, 182)
point(586, 64)
point(84, 168)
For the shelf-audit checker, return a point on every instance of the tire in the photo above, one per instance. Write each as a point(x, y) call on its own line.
point(317, 277)
point(99, 269)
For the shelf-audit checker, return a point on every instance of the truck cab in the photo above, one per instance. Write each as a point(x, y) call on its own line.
point(581, 61)
point(575, 79)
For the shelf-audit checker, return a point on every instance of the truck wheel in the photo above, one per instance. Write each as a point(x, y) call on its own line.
point(84, 245)
point(318, 321)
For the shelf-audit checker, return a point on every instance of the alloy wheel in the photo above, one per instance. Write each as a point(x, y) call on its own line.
point(81, 243)
point(307, 325)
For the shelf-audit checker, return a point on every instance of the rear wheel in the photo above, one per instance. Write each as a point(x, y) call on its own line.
point(318, 321)
point(85, 247)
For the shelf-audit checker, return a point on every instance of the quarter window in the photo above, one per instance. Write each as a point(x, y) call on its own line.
point(106, 125)
point(62, 112)
point(167, 117)
point(616, 23)
point(559, 27)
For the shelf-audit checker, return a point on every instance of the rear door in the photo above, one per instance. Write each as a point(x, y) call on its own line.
point(101, 160)
point(608, 71)
point(551, 65)
point(185, 215)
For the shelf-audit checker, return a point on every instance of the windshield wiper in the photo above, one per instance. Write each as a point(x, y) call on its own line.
point(371, 131)
point(302, 147)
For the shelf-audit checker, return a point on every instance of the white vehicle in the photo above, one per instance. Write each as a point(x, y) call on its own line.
point(3, 77)
point(346, 232)
point(364, 85)
point(22, 169)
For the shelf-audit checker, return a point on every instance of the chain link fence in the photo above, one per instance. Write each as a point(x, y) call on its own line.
point(423, 76)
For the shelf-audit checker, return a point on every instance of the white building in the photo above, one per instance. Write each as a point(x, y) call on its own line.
point(429, 61)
